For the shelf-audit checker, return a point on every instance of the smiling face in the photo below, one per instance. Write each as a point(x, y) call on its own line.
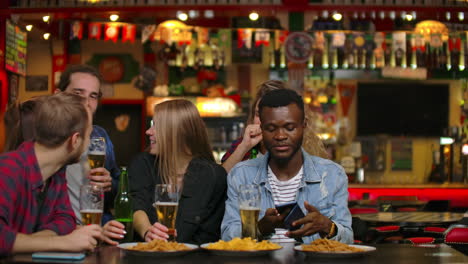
point(87, 86)
point(151, 133)
point(282, 129)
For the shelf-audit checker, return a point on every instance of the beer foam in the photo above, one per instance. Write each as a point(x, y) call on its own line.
point(249, 208)
point(97, 152)
point(167, 203)
point(93, 211)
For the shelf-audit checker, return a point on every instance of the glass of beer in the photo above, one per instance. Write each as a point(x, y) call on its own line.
point(249, 206)
point(166, 204)
point(91, 204)
point(97, 152)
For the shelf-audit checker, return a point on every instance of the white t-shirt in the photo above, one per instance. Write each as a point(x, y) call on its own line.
point(283, 192)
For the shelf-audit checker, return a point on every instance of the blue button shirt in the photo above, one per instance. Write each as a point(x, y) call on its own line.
point(324, 185)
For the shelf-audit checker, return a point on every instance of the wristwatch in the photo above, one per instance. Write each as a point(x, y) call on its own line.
point(332, 231)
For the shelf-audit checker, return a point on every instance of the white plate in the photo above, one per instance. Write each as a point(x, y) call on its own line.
point(125, 247)
point(327, 254)
point(238, 253)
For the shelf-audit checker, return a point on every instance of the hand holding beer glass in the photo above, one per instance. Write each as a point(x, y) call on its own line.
point(91, 204)
point(166, 204)
point(249, 206)
point(96, 159)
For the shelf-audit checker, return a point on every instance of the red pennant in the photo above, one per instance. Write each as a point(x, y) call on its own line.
point(76, 30)
point(128, 33)
point(240, 38)
point(347, 92)
point(454, 43)
point(111, 32)
point(94, 30)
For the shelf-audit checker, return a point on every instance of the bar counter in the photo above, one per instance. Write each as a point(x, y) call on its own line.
point(385, 253)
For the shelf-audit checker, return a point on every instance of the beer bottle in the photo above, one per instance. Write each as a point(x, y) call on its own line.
point(253, 153)
point(123, 206)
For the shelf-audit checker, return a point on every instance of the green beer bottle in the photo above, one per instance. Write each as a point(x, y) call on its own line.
point(123, 206)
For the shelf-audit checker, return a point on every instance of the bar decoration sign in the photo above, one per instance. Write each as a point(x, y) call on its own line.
point(15, 55)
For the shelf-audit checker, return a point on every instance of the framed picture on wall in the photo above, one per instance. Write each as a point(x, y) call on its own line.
point(37, 83)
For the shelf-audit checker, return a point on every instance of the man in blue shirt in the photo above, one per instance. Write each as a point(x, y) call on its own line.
point(288, 174)
point(86, 81)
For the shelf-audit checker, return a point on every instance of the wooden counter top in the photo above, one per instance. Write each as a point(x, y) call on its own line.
point(411, 186)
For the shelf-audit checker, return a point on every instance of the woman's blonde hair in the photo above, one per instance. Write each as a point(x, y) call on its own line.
point(263, 89)
point(179, 132)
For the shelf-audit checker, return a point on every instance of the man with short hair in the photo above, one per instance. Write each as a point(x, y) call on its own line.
point(35, 210)
point(288, 174)
point(86, 81)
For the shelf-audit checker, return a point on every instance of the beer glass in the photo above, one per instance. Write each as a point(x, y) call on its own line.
point(91, 204)
point(97, 153)
point(166, 204)
point(249, 206)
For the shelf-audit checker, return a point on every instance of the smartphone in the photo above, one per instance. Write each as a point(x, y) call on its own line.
point(295, 214)
point(58, 256)
point(285, 208)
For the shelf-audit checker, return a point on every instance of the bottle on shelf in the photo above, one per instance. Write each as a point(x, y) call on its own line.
point(123, 206)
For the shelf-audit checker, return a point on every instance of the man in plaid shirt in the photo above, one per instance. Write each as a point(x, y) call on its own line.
point(35, 211)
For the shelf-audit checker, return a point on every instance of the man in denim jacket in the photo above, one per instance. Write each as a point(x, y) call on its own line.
point(321, 185)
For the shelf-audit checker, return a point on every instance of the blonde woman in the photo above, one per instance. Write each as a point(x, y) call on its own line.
point(179, 153)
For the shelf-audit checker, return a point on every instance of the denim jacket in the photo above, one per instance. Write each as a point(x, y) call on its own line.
point(324, 185)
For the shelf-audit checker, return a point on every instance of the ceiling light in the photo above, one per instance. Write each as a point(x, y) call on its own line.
point(392, 15)
point(409, 17)
point(46, 36)
point(193, 13)
point(114, 17)
point(253, 16)
point(337, 16)
point(461, 16)
point(325, 14)
point(208, 13)
point(29, 27)
point(382, 15)
point(46, 18)
point(448, 16)
point(182, 16)
point(413, 14)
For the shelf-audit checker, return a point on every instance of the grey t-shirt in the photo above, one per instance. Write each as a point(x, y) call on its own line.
point(75, 174)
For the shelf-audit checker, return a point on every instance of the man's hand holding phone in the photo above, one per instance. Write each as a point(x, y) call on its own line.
point(312, 223)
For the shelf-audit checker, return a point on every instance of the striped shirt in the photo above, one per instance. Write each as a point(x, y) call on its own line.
point(283, 192)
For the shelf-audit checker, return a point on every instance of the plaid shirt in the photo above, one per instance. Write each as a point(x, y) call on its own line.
point(21, 182)
point(233, 148)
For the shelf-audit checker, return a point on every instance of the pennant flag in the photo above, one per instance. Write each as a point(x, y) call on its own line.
point(358, 40)
point(262, 37)
point(244, 38)
point(379, 40)
point(111, 31)
point(185, 37)
point(319, 40)
point(203, 35)
point(454, 42)
point(346, 92)
point(435, 41)
point(147, 33)
point(224, 36)
point(280, 38)
point(76, 30)
point(94, 30)
point(129, 33)
point(418, 43)
point(338, 40)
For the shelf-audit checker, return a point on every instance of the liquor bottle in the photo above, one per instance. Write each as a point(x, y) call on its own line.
point(123, 206)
